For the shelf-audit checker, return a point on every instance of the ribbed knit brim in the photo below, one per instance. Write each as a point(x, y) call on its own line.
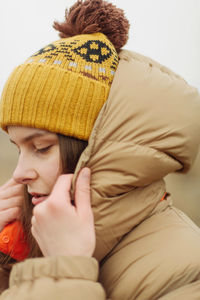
point(53, 99)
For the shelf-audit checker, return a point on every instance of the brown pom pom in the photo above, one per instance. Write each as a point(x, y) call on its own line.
point(92, 16)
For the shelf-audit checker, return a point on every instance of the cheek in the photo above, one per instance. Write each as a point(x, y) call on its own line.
point(53, 173)
point(52, 170)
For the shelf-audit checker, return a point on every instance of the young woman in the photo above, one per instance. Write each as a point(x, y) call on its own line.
point(82, 105)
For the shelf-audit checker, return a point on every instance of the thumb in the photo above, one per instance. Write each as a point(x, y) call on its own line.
point(82, 191)
point(61, 190)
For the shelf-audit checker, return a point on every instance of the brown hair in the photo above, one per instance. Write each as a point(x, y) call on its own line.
point(70, 151)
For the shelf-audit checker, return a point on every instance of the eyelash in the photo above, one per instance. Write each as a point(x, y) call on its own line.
point(43, 150)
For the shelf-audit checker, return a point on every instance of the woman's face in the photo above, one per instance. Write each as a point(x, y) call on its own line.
point(39, 162)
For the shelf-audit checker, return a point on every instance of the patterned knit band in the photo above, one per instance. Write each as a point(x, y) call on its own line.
point(62, 87)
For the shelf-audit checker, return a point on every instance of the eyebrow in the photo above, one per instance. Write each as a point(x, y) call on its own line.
point(30, 137)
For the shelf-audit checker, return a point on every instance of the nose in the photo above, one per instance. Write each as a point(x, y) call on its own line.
point(24, 171)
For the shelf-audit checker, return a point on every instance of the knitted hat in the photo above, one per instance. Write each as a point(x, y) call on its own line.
point(63, 86)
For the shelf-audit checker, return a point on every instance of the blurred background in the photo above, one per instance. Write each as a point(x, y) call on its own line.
point(167, 31)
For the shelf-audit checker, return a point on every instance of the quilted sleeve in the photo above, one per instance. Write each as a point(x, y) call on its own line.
point(53, 278)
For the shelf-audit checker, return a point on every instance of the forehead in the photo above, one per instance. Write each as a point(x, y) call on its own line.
point(25, 133)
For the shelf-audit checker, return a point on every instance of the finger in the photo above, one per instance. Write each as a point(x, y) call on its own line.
point(33, 227)
point(40, 210)
point(9, 215)
point(8, 183)
point(11, 191)
point(12, 202)
point(82, 191)
point(61, 190)
point(11, 182)
point(33, 221)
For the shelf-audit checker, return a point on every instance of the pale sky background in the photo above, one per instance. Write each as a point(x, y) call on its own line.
point(165, 30)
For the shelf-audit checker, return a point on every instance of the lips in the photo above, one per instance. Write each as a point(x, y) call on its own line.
point(38, 198)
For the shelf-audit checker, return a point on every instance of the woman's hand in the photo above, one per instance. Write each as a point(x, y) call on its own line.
point(11, 197)
point(61, 228)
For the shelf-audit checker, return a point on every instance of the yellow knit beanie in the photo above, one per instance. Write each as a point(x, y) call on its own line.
point(63, 86)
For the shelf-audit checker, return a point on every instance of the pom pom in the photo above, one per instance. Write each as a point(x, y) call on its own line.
point(93, 16)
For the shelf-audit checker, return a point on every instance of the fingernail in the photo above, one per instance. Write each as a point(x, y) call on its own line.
point(86, 172)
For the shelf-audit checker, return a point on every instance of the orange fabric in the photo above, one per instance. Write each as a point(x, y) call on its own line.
point(164, 196)
point(12, 241)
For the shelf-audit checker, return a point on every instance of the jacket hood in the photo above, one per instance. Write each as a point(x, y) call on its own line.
point(148, 128)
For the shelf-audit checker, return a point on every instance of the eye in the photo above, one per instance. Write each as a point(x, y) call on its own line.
point(43, 150)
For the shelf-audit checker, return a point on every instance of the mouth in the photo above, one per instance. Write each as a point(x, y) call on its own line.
point(37, 198)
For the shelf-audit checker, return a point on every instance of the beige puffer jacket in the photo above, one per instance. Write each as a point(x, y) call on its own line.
point(147, 249)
